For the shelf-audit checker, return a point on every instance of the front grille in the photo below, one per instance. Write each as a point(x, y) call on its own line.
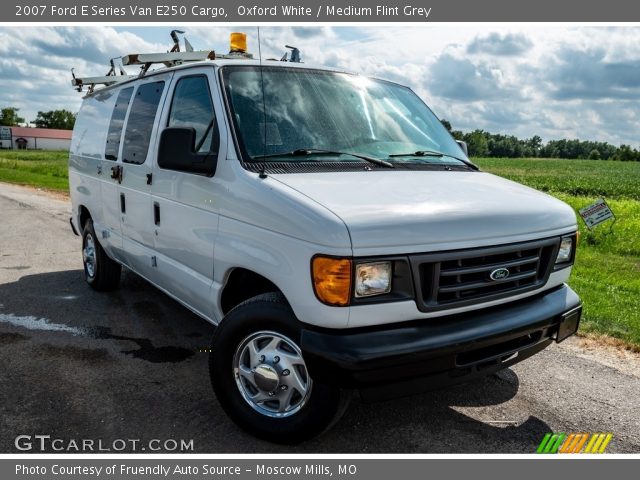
point(461, 277)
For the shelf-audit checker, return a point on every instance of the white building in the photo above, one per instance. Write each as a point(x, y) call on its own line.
point(22, 138)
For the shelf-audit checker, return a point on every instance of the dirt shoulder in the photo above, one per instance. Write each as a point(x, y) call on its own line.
point(606, 351)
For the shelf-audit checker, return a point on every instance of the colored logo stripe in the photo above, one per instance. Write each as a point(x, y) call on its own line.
point(574, 443)
point(543, 443)
point(580, 444)
point(551, 443)
point(569, 444)
point(598, 443)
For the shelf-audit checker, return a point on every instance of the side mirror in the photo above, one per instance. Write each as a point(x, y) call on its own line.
point(463, 146)
point(177, 152)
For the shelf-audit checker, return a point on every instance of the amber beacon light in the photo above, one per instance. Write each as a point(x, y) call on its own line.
point(332, 280)
point(238, 42)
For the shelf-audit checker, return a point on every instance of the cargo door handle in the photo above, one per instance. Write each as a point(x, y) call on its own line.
point(123, 206)
point(116, 173)
point(156, 213)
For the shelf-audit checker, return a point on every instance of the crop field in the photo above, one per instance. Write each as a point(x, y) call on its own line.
point(607, 270)
point(603, 178)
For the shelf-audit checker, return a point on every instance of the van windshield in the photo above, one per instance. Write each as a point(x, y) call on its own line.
point(319, 112)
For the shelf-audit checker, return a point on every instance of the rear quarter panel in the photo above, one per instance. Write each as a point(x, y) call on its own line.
point(86, 154)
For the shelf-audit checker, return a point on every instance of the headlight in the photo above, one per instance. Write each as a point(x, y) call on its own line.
point(372, 279)
point(566, 249)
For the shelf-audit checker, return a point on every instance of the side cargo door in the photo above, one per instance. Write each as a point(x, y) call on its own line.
point(110, 232)
point(134, 189)
point(185, 204)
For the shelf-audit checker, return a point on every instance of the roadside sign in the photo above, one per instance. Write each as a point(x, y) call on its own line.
point(5, 133)
point(596, 213)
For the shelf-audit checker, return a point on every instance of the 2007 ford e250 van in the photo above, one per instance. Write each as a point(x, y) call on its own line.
point(327, 223)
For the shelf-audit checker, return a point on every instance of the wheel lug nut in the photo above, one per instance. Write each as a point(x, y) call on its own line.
point(261, 358)
point(276, 359)
point(271, 394)
point(285, 372)
point(283, 387)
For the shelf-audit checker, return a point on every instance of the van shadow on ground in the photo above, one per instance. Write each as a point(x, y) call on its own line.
point(136, 350)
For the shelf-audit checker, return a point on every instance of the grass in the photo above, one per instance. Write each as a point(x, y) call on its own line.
point(37, 168)
point(607, 270)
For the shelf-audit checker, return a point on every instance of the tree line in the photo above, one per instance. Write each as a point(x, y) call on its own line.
point(62, 119)
point(486, 144)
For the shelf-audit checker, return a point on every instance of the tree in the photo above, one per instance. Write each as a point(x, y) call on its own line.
point(63, 119)
point(477, 144)
point(9, 117)
point(446, 123)
point(485, 144)
point(457, 134)
point(534, 144)
point(625, 153)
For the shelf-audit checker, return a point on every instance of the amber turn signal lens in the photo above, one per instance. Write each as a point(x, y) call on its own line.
point(332, 280)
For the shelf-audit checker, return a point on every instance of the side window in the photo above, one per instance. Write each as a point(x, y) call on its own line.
point(117, 122)
point(192, 107)
point(140, 123)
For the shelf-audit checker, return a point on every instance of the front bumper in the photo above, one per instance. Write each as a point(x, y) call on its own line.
point(416, 356)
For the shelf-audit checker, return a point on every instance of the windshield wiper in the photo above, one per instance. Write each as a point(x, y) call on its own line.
point(303, 152)
point(433, 153)
point(419, 153)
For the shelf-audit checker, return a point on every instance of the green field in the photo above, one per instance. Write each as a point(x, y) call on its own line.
point(607, 270)
point(36, 168)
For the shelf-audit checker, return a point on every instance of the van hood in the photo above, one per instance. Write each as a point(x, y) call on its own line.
point(426, 210)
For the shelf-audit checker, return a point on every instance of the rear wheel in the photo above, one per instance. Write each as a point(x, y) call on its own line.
point(100, 272)
point(260, 377)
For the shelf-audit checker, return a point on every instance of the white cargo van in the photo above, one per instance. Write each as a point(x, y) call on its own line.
point(326, 222)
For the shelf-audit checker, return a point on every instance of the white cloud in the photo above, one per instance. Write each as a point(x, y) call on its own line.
point(494, 43)
point(552, 81)
point(36, 63)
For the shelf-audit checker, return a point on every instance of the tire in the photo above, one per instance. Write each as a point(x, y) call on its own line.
point(267, 321)
point(100, 272)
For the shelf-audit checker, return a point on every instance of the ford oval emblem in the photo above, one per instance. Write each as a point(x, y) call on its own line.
point(499, 274)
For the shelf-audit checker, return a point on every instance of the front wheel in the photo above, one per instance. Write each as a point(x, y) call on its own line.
point(260, 377)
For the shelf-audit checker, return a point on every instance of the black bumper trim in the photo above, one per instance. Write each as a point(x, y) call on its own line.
point(434, 352)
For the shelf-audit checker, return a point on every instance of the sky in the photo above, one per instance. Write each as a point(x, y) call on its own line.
point(553, 81)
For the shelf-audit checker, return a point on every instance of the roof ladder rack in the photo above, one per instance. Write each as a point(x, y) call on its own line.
point(114, 75)
point(117, 73)
point(169, 59)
